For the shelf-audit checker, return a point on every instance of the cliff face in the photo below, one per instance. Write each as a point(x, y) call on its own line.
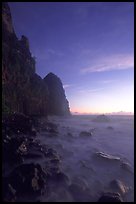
point(58, 103)
point(22, 89)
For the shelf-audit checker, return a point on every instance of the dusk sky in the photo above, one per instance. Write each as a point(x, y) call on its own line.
point(88, 45)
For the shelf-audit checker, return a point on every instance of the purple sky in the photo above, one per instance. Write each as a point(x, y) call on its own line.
point(89, 45)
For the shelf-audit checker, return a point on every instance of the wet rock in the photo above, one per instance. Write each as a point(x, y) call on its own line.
point(118, 186)
point(27, 179)
point(22, 149)
point(110, 197)
point(101, 118)
point(107, 156)
point(85, 134)
point(34, 150)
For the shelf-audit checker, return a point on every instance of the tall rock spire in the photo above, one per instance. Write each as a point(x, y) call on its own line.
point(58, 104)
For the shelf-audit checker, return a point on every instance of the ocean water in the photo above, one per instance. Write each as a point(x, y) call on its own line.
point(90, 174)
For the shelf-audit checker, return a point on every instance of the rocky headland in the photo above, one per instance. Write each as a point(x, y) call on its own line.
point(25, 98)
point(23, 90)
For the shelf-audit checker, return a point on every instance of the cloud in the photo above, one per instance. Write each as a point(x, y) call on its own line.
point(90, 90)
point(115, 62)
point(107, 81)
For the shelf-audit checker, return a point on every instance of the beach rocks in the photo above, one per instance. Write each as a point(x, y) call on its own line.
point(119, 186)
point(25, 179)
point(21, 149)
point(24, 171)
point(107, 156)
point(34, 150)
point(101, 118)
point(110, 197)
point(85, 134)
point(49, 127)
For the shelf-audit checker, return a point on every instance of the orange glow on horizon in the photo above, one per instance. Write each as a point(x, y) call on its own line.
point(85, 111)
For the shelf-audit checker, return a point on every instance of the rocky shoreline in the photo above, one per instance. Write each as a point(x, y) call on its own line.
point(31, 170)
point(28, 166)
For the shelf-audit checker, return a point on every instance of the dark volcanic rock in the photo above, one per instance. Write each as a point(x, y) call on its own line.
point(58, 103)
point(110, 197)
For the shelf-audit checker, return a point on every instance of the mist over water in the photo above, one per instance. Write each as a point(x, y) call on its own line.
point(79, 160)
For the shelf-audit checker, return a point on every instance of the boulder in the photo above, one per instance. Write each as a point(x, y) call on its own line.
point(101, 118)
point(85, 134)
point(118, 186)
point(107, 156)
point(27, 179)
point(110, 197)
